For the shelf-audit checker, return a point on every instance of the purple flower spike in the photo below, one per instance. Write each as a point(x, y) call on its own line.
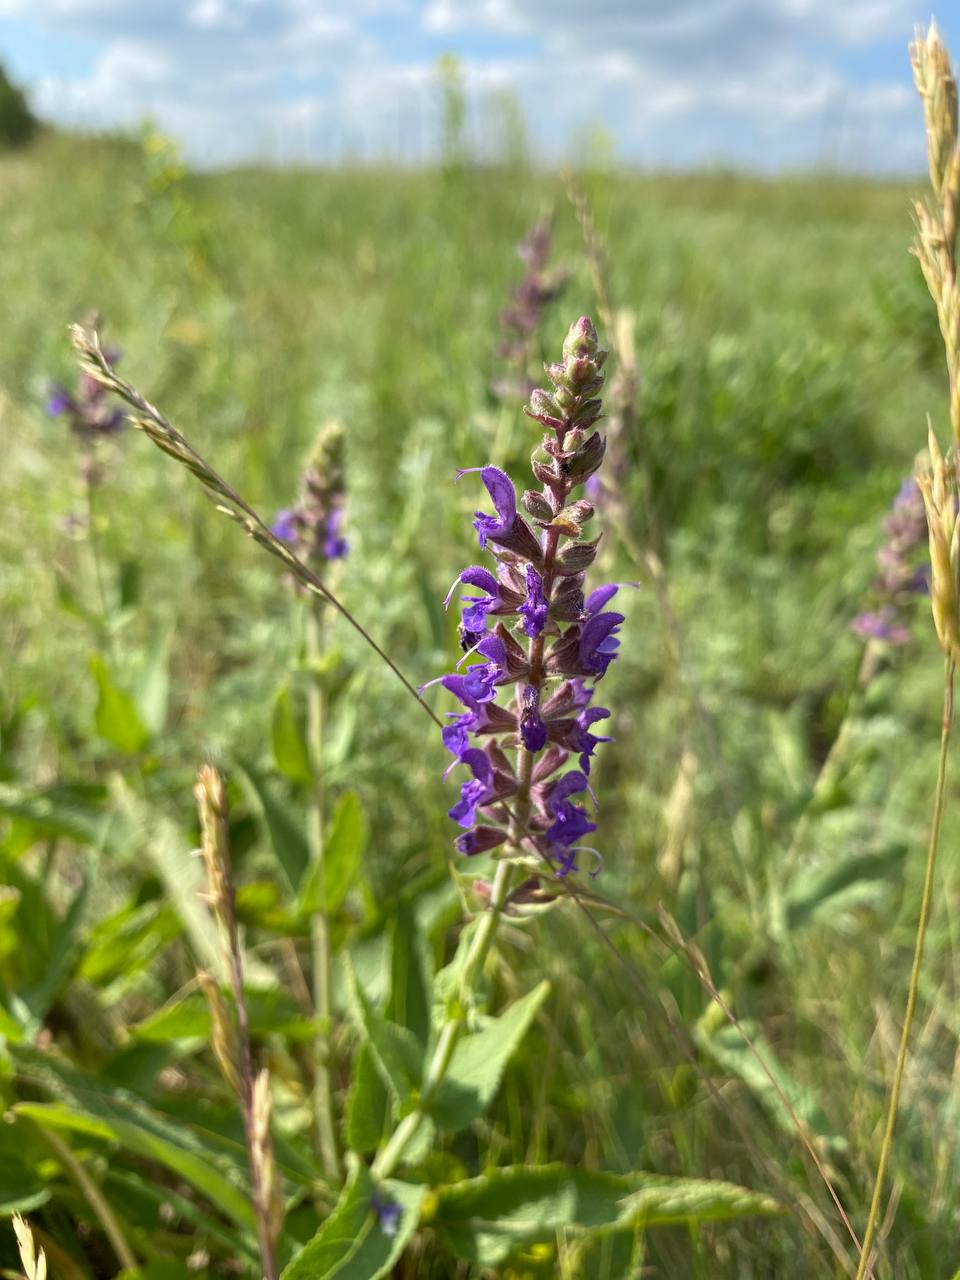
point(534, 610)
point(313, 526)
point(900, 578)
point(535, 591)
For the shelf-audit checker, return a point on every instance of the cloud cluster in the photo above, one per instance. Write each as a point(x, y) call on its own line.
point(761, 83)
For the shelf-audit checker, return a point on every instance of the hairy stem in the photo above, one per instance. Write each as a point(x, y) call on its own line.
point(865, 1268)
point(319, 922)
point(391, 1155)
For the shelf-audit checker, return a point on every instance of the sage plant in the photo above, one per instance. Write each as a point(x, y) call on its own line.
point(520, 319)
point(899, 578)
point(537, 635)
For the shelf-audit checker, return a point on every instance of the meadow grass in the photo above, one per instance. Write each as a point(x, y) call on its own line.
point(787, 354)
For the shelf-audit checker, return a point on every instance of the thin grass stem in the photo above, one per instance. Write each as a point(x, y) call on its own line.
point(95, 1198)
point(866, 1262)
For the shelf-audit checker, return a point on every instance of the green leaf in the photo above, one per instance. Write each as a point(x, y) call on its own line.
point(116, 717)
point(728, 1047)
point(286, 836)
point(63, 955)
point(368, 1105)
point(153, 688)
point(351, 1244)
point(342, 858)
point(485, 1219)
point(149, 1142)
point(410, 974)
point(396, 1052)
point(479, 1061)
point(85, 1103)
point(74, 810)
point(840, 884)
point(21, 1188)
point(289, 748)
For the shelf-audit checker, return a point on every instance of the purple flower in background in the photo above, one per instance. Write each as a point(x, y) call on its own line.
point(90, 413)
point(551, 641)
point(520, 320)
point(900, 578)
point(284, 526)
point(313, 526)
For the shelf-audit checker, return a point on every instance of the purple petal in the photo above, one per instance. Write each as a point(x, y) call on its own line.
point(597, 599)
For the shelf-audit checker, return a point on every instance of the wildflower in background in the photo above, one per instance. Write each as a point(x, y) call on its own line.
point(314, 527)
point(90, 415)
point(901, 579)
point(520, 320)
point(533, 629)
point(387, 1213)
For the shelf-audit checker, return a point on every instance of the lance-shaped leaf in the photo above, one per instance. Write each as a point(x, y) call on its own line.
point(485, 1219)
point(479, 1061)
point(355, 1243)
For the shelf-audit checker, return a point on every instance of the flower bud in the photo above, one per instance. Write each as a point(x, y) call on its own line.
point(536, 505)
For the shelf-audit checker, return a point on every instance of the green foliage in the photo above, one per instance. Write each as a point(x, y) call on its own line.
point(17, 122)
point(486, 1219)
point(351, 1245)
point(787, 358)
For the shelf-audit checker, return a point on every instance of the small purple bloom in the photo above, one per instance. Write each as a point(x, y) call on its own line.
point(535, 608)
point(881, 625)
point(477, 791)
point(335, 546)
point(598, 642)
point(570, 821)
point(388, 1213)
point(582, 740)
point(284, 526)
point(533, 731)
point(504, 496)
point(59, 401)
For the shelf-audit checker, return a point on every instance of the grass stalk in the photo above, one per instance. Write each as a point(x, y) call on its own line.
point(319, 921)
point(865, 1268)
point(95, 1198)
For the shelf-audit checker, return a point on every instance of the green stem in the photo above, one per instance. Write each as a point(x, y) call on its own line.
point(319, 921)
point(93, 542)
point(391, 1155)
point(98, 1203)
point(865, 1268)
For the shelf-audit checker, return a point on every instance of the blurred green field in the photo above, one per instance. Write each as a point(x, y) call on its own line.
point(788, 355)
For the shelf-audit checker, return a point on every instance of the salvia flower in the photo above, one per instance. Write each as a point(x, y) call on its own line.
point(314, 526)
point(537, 645)
point(90, 414)
point(900, 578)
point(521, 319)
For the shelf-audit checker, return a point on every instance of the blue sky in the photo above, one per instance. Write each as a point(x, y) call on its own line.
point(762, 84)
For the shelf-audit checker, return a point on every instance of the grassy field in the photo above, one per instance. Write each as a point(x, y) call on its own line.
point(788, 356)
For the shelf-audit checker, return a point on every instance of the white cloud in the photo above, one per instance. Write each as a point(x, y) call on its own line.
point(758, 82)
